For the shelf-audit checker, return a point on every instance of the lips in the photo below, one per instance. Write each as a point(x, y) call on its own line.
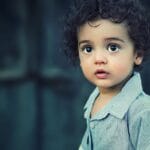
point(101, 74)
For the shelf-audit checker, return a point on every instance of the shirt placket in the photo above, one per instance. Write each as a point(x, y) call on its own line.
point(89, 138)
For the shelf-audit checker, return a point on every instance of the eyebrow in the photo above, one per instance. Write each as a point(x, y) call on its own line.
point(114, 39)
point(106, 39)
point(83, 41)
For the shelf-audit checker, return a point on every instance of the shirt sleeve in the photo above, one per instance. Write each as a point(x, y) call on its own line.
point(140, 131)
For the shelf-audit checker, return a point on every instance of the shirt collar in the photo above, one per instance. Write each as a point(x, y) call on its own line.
point(119, 104)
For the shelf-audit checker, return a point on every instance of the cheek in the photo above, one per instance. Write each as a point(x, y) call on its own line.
point(123, 65)
point(86, 68)
point(84, 62)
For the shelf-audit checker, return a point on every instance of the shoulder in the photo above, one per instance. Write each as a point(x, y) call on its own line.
point(139, 122)
point(139, 111)
point(140, 106)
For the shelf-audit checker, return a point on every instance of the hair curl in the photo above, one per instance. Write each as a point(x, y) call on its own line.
point(130, 11)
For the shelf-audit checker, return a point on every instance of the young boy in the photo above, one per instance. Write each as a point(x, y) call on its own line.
point(111, 38)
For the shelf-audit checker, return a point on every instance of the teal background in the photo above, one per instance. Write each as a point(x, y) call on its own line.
point(41, 95)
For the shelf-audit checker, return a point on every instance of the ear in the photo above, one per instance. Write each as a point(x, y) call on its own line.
point(138, 57)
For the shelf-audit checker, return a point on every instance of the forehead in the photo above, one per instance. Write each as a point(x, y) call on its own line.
point(103, 28)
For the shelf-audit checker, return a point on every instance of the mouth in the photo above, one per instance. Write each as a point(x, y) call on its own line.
point(101, 74)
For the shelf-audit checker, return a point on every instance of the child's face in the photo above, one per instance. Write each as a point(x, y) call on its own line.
point(106, 53)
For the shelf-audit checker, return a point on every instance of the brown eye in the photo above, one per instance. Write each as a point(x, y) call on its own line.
point(113, 47)
point(87, 49)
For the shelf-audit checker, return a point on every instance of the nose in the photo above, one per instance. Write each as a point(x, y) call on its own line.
point(100, 58)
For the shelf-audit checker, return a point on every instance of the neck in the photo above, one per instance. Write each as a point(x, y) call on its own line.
point(112, 91)
point(108, 93)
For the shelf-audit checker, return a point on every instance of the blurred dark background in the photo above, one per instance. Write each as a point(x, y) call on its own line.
point(41, 95)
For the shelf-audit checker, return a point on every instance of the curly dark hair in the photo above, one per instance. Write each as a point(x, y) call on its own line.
point(130, 11)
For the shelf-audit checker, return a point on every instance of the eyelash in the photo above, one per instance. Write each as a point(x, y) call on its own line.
point(113, 44)
point(84, 48)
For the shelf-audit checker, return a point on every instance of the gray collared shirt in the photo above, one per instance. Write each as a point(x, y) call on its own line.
point(123, 124)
